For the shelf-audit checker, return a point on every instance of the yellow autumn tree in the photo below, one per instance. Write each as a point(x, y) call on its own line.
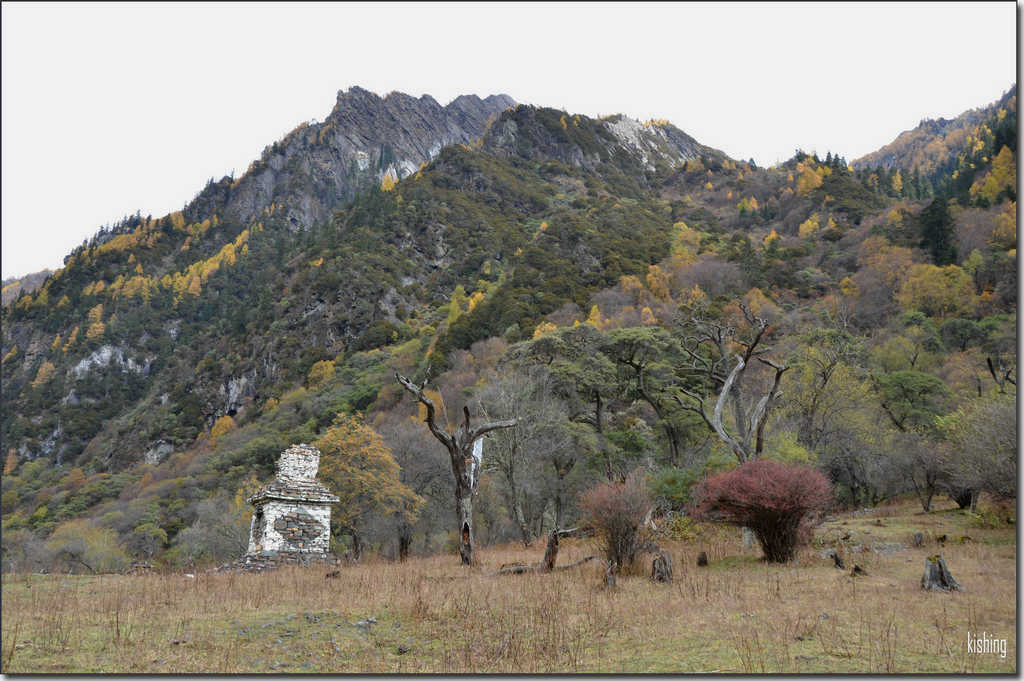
point(221, 427)
point(897, 183)
point(359, 468)
point(320, 373)
point(543, 329)
point(1003, 175)
point(457, 302)
point(809, 226)
point(657, 282)
point(808, 180)
point(11, 463)
point(685, 243)
point(44, 374)
point(387, 183)
point(1005, 234)
point(96, 327)
point(937, 291)
point(72, 339)
point(595, 318)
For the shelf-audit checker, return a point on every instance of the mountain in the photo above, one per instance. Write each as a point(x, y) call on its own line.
point(173, 358)
point(365, 138)
point(250, 263)
point(938, 148)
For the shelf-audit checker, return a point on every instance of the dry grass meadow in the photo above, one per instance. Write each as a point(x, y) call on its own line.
point(738, 615)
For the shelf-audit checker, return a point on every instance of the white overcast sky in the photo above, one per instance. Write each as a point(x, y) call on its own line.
point(113, 108)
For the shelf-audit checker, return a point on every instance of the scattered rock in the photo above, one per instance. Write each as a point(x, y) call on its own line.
point(918, 539)
point(402, 650)
point(888, 549)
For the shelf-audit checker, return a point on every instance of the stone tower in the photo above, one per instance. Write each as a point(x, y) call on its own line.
point(291, 521)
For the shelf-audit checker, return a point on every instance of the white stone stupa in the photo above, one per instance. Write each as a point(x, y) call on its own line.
point(291, 521)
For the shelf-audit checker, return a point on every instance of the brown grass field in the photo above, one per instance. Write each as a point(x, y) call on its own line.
point(738, 615)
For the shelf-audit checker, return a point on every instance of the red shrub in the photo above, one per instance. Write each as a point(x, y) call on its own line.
point(616, 510)
point(773, 499)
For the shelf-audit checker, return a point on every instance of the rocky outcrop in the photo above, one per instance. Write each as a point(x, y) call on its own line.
point(320, 165)
point(107, 355)
point(594, 144)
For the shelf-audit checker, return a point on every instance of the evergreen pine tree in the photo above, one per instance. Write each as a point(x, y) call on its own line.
point(937, 232)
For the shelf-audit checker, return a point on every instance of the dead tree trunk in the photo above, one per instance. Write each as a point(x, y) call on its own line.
point(936, 575)
point(551, 552)
point(610, 570)
point(465, 468)
point(661, 568)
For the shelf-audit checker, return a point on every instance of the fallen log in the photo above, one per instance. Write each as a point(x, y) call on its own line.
point(546, 565)
point(522, 568)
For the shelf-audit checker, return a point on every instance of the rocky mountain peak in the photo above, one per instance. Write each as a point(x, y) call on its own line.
point(319, 166)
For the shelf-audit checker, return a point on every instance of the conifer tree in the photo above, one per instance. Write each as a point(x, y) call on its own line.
point(937, 232)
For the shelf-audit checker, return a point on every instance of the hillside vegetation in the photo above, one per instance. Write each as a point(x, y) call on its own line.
point(595, 278)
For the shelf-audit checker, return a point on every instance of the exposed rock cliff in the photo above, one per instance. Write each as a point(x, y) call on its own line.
point(319, 166)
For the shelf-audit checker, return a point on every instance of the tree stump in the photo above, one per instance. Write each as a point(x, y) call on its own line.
point(702, 559)
point(661, 568)
point(936, 575)
point(609, 574)
point(551, 552)
point(858, 571)
point(918, 539)
point(837, 559)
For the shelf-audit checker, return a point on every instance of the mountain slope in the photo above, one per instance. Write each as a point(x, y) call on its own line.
point(938, 148)
point(194, 320)
point(172, 359)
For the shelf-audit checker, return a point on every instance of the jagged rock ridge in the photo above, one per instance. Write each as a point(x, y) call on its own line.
point(319, 166)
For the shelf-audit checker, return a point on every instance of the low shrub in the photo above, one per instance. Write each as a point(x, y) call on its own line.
point(617, 510)
point(775, 500)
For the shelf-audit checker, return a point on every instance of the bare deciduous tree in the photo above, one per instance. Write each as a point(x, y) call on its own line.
point(465, 466)
point(516, 454)
point(707, 346)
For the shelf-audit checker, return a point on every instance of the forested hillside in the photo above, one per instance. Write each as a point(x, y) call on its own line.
point(604, 281)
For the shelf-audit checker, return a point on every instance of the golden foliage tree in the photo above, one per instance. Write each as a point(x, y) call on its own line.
point(1005, 234)
point(221, 427)
point(45, 373)
point(809, 226)
point(543, 329)
point(1003, 175)
point(937, 291)
point(359, 468)
point(657, 282)
point(320, 373)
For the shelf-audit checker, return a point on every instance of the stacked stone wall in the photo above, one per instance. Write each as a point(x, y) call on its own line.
point(291, 527)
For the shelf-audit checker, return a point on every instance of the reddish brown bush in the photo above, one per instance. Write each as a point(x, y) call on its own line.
point(616, 511)
point(773, 499)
